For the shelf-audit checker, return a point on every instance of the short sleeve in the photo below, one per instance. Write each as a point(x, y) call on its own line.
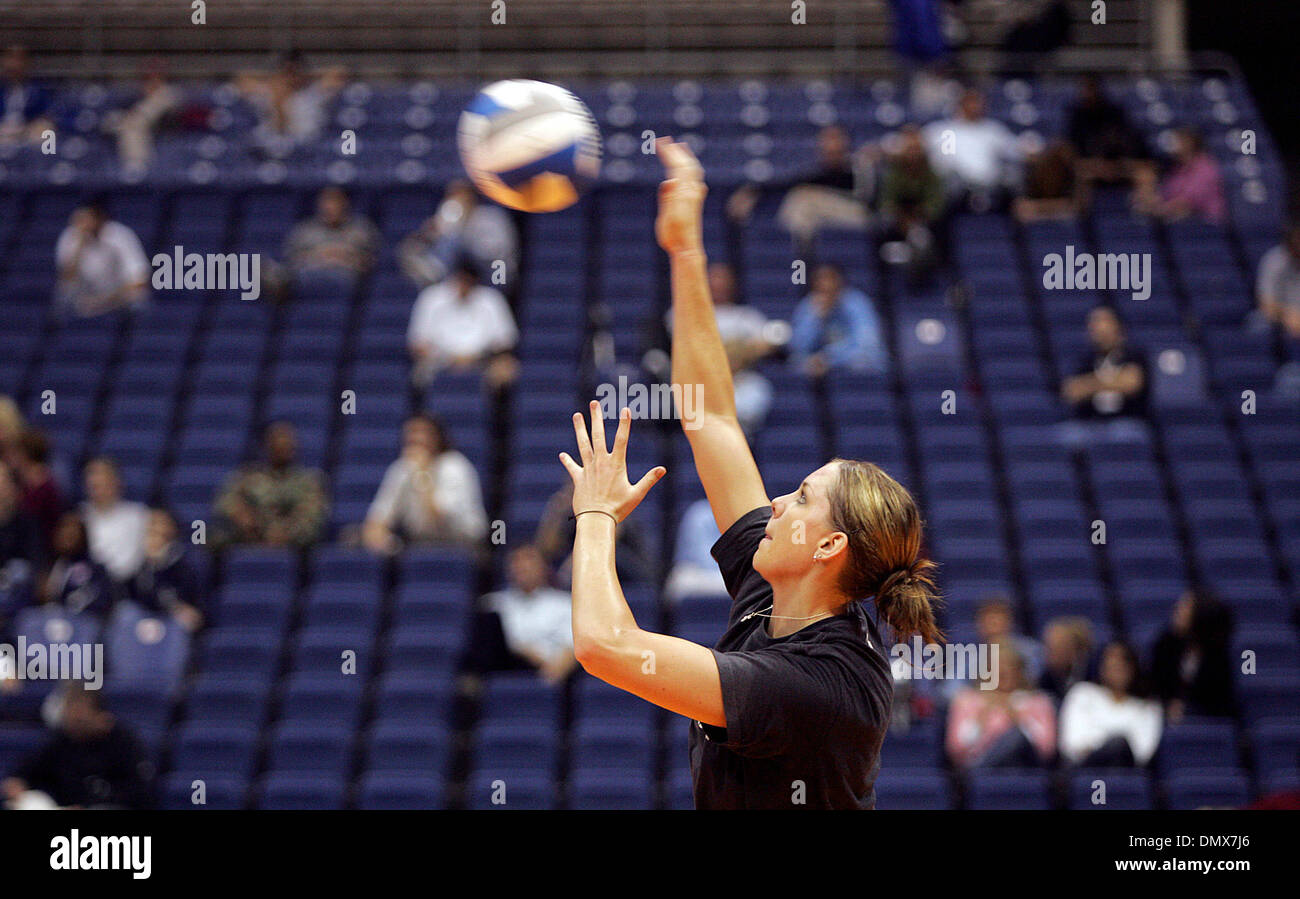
point(775, 700)
point(384, 506)
point(734, 551)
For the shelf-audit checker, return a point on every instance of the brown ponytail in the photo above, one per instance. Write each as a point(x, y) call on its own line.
point(884, 529)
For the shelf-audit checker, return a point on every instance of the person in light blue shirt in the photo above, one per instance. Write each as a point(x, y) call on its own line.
point(836, 327)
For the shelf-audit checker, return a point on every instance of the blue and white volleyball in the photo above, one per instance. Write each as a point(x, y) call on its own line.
point(529, 145)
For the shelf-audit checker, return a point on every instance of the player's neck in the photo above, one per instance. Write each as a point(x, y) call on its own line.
point(797, 605)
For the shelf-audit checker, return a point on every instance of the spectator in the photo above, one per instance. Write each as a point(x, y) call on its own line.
point(1052, 191)
point(978, 156)
point(555, 533)
point(1033, 27)
point(292, 105)
point(527, 625)
point(995, 622)
point(335, 245)
point(25, 105)
point(116, 526)
point(102, 265)
point(460, 324)
point(41, 497)
point(76, 583)
point(134, 126)
point(913, 208)
point(1277, 295)
point(430, 493)
point(277, 502)
point(834, 193)
point(167, 583)
point(91, 760)
point(1109, 724)
point(1009, 725)
point(835, 328)
point(1108, 394)
point(1067, 654)
point(747, 335)
point(1192, 666)
point(1109, 148)
point(20, 548)
point(462, 226)
point(694, 568)
point(1192, 188)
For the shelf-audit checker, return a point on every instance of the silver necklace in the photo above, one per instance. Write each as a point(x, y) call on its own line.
point(763, 614)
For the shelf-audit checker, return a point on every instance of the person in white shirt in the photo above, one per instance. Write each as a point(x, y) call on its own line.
point(460, 324)
point(536, 619)
point(430, 493)
point(1107, 725)
point(748, 337)
point(101, 263)
point(463, 224)
point(115, 527)
point(978, 156)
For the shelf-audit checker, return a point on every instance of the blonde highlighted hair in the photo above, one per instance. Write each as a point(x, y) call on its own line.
point(885, 561)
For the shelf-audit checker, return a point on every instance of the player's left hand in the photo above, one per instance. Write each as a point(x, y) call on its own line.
point(601, 482)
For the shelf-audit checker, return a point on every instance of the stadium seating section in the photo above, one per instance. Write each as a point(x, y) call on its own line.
point(256, 707)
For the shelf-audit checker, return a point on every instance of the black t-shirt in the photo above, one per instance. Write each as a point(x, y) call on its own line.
point(806, 713)
point(1110, 403)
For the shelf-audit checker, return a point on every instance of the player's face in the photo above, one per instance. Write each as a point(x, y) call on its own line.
point(800, 519)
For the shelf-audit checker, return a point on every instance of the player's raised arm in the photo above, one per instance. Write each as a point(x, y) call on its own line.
point(722, 456)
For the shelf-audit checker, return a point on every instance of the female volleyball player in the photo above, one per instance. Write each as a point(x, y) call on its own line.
point(791, 705)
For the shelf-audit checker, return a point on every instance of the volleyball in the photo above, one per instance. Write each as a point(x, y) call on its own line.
point(529, 145)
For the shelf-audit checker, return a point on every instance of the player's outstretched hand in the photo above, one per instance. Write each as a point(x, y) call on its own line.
point(679, 225)
point(601, 482)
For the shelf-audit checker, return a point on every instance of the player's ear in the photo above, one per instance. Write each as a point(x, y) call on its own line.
point(831, 546)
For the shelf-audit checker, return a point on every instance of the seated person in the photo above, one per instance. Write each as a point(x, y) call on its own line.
point(1108, 395)
point(1009, 725)
point(1110, 724)
point(1067, 654)
point(292, 104)
point(1277, 295)
point(1051, 190)
point(115, 525)
point(748, 337)
point(460, 324)
point(556, 529)
point(20, 549)
point(464, 225)
point(26, 106)
point(913, 207)
point(1191, 188)
point(1108, 147)
point(76, 583)
point(834, 193)
point(836, 328)
point(526, 625)
point(978, 156)
point(430, 493)
point(166, 583)
point(40, 495)
point(335, 244)
point(1192, 667)
point(995, 622)
point(91, 760)
point(694, 569)
point(276, 502)
point(102, 266)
